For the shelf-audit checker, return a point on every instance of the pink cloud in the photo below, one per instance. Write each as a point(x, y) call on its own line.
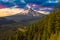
point(2, 6)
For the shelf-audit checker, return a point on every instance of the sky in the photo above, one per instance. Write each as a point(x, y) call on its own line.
point(32, 3)
point(22, 2)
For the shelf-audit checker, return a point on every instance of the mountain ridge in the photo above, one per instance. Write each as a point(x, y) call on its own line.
point(30, 15)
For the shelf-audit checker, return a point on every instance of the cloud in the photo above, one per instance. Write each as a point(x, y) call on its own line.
point(28, 6)
point(5, 0)
point(12, 11)
point(22, 1)
point(56, 1)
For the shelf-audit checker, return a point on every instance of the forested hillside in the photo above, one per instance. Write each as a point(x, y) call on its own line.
point(47, 28)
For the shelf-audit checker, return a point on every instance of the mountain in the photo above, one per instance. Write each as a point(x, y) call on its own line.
point(19, 15)
point(30, 14)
